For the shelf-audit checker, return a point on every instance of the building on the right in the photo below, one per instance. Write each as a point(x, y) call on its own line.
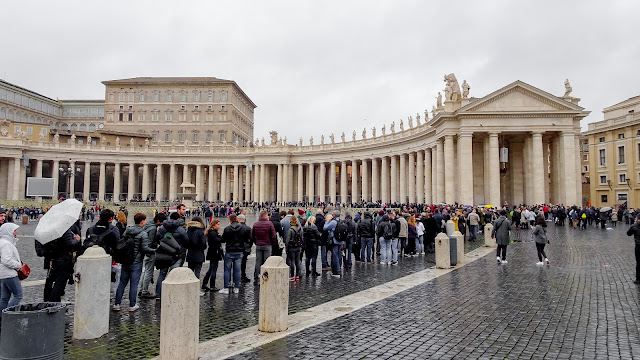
point(614, 155)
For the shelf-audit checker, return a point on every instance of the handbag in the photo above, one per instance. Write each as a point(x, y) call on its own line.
point(280, 242)
point(24, 271)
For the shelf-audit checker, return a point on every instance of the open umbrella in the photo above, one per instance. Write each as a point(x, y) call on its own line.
point(605, 209)
point(57, 220)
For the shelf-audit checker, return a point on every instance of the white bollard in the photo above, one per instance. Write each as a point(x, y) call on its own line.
point(460, 247)
point(488, 241)
point(274, 295)
point(93, 280)
point(180, 315)
point(450, 227)
point(443, 253)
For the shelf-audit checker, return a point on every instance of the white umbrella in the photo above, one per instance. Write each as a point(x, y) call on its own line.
point(605, 209)
point(57, 220)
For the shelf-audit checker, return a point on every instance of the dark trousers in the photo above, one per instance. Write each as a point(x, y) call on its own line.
point(58, 275)
point(637, 262)
point(311, 257)
point(196, 267)
point(503, 249)
point(211, 275)
point(243, 265)
point(541, 253)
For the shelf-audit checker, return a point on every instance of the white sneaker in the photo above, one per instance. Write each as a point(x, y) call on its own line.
point(504, 261)
point(115, 307)
point(539, 263)
point(134, 308)
point(224, 291)
point(388, 262)
point(236, 290)
point(547, 261)
point(383, 263)
point(202, 293)
point(498, 258)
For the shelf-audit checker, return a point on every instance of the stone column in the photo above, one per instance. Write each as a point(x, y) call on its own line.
point(159, 182)
point(375, 180)
point(578, 162)
point(247, 184)
point(366, 175)
point(538, 171)
point(449, 171)
point(72, 179)
point(311, 183)
point(38, 173)
point(55, 174)
point(186, 175)
point(420, 187)
point(465, 176)
point(355, 169)
point(172, 182)
point(145, 182)
point(568, 162)
point(224, 180)
point(412, 178)
point(279, 187)
point(236, 182)
point(180, 309)
point(17, 169)
point(403, 178)
point(344, 192)
point(394, 178)
point(199, 183)
point(286, 183)
point(132, 181)
point(494, 170)
point(300, 181)
point(440, 173)
point(263, 183)
point(86, 186)
point(210, 183)
point(117, 178)
point(332, 182)
point(101, 180)
point(256, 182)
point(322, 182)
point(384, 180)
point(428, 193)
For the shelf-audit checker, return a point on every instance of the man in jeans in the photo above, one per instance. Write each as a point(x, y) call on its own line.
point(149, 259)
point(180, 235)
point(234, 236)
point(366, 231)
point(263, 234)
point(133, 271)
point(474, 221)
point(336, 246)
point(242, 218)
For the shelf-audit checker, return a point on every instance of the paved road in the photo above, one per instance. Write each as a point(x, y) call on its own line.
point(584, 305)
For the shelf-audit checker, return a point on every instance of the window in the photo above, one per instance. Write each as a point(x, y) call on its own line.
point(154, 137)
point(168, 116)
point(110, 97)
point(141, 97)
point(121, 97)
point(130, 97)
point(16, 129)
point(603, 179)
point(169, 97)
point(120, 117)
point(167, 137)
point(622, 197)
point(130, 116)
point(209, 117)
point(140, 117)
point(221, 137)
point(621, 155)
point(621, 136)
point(156, 96)
point(121, 107)
point(208, 137)
point(181, 137)
point(183, 117)
point(195, 138)
point(80, 142)
point(83, 127)
point(29, 130)
point(43, 131)
point(196, 117)
point(603, 157)
point(585, 169)
point(196, 96)
point(601, 140)
point(210, 99)
point(154, 116)
point(622, 178)
point(603, 198)
point(585, 157)
point(183, 96)
point(223, 95)
point(638, 133)
point(196, 107)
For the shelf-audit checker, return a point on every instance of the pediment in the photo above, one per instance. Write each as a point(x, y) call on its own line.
point(520, 97)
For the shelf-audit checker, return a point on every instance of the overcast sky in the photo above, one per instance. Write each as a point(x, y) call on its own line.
point(317, 67)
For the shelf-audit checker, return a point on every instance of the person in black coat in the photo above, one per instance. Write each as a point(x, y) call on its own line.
point(214, 255)
point(275, 220)
point(431, 229)
point(61, 265)
point(196, 245)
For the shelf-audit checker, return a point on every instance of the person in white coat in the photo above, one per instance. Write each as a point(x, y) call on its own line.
point(10, 287)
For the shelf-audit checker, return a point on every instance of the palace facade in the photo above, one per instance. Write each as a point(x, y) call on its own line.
point(518, 144)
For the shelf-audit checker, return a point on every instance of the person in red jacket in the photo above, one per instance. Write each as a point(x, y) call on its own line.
point(263, 234)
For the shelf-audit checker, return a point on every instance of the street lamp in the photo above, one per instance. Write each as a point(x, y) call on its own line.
point(67, 171)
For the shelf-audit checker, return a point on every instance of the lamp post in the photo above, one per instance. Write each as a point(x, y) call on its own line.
point(67, 172)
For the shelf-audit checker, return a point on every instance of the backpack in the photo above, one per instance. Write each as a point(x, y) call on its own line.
point(584, 216)
point(296, 239)
point(167, 252)
point(342, 231)
point(47, 250)
point(387, 231)
point(125, 250)
point(94, 239)
point(309, 234)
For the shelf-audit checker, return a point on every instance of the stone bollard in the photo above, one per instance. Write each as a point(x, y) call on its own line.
point(488, 241)
point(180, 315)
point(274, 295)
point(93, 282)
point(460, 245)
point(443, 253)
point(450, 227)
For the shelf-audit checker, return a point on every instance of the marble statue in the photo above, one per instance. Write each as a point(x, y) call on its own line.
point(417, 119)
point(103, 140)
point(465, 89)
point(332, 138)
point(73, 138)
point(262, 141)
point(373, 131)
point(447, 91)
point(300, 141)
point(285, 141)
point(237, 142)
point(4, 127)
point(401, 125)
point(433, 111)
point(439, 100)
point(410, 122)
point(384, 130)
point(146, 142)
point(364, 133)
point(311, 140)
point(353, 135)
point(567, 88)
point(426, 115)
point(132, 142)
point(342, 136)
point(452, 83)
point(393, 127)
point(274, 137)
point(322, 139)
point(117, 140)
point(89, 140)
point(257, 142)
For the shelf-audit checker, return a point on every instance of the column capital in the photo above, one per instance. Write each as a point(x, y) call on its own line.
point(465, 134)
point(536, 133)
point(493, 134)
point(448, 137)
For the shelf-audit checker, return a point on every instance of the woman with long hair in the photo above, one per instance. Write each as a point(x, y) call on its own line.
point(540, 237)
point(121, 224)
point(293, 241)
point(214, 255)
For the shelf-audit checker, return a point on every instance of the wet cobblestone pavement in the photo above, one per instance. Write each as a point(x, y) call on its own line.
point(584, 305)
point(136, 335)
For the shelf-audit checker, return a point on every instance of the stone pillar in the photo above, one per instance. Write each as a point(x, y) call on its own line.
point(211, 183)
point(55, 174)
point(366, 175)
point(72, 179)
point(428, 193)
point(224, 181)
point(38, 168)
point(311, 192)
point(236, 183)
point(568, 162)
point(494, 170)
point(160, 182)
point(199, 183)
point(173, 179)
point(384, 180)
point(286, 182)
point(300, 181)
point(449, 171)
point(355, 169)
point(465, 176)
point(322, 182)
point(102, 184)
point(117, 186)
point(578, 162)
point(145, 182)
point(419, 185)
point(459, 247)
point(180, 309)
point(412, 178)
point(394, 178)
point(86, 186)
point(332, 181)
point(132, 181)
point(15, 184)
point(375, 181)
point(279, 184)
point(440, 197)
point(93, 286)
point(263, 183)
point(443, 252)
point(538, 171)
point(273, 309)
point(403, 178)
point(256, 182)
point(344, 192)
point(247, 184)
point(488, 240)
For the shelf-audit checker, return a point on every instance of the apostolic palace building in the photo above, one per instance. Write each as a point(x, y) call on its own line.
point(172, 138)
